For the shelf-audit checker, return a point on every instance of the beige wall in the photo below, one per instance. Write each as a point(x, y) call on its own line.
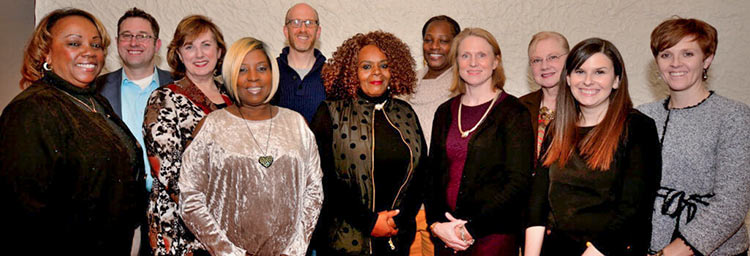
point(626, 23)
point(16, 25)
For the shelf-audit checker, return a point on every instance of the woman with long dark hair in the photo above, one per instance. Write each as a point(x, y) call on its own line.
point(599, 174)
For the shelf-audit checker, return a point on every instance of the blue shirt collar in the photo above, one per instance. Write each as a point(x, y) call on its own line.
point(154, 78)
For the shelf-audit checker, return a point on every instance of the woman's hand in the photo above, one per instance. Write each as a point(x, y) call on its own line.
point(678, 247)
point(592, 251)
point(385, 226)
point(449, 233)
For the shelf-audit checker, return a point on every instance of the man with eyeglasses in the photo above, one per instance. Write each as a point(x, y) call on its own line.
point(300, 85)
point(129, 88)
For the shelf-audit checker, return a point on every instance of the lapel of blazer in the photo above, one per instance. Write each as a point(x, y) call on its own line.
point(165, 77)
point(112, 90)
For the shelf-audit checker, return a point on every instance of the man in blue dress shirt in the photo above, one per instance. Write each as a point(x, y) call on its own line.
point(129, 87)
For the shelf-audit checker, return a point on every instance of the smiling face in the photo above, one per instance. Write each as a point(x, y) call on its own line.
point(681, 66)
point(436, 45)
point(76, 53)
point(592, 83)
point(476, 61)
point(254, 79)
point(200, 55)
point(373, 71)
point(302, 39)
point(134, 53)
point(547, 59)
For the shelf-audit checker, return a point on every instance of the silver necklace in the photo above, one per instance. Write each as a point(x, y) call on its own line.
point(264, 160)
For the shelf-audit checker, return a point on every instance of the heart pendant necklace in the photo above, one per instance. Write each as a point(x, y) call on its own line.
point(264, 160)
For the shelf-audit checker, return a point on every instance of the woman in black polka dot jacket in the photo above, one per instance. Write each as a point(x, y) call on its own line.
point(372, 149)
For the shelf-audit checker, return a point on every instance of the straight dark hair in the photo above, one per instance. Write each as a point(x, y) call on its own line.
point(597, 147)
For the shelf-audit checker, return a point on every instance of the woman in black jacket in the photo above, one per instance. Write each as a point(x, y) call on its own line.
point(597, 180)
point(481, 158)
point(371, 147)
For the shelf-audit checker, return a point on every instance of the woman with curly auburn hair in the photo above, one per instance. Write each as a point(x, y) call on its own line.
point(371, 147)
point(480, 155)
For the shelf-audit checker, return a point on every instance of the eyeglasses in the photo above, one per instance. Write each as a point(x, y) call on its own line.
point(550, 59)
point(297, 23)
point(126, 37)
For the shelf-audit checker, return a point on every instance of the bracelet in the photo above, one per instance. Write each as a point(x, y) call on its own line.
point(659, 253)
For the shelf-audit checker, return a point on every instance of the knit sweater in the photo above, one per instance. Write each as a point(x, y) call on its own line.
point(704, 193)
point(427, 97)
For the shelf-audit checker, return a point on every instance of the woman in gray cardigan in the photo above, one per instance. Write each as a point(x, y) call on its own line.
point(704, 194)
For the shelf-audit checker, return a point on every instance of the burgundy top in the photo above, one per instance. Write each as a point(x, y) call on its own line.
point(456, 147)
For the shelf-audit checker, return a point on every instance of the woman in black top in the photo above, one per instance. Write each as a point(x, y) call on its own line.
point(371, 148)
point(70, 171)
point(601, 168)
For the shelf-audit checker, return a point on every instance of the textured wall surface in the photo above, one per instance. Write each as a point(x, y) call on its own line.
point(626, 23)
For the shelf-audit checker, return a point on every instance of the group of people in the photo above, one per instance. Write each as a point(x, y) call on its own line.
point(235, 153)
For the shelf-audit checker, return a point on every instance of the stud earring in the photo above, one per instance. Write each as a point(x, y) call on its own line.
point(46, 67)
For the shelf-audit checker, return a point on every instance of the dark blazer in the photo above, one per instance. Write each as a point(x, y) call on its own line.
point(497, 174)
point(532, 102)
point(110, 86)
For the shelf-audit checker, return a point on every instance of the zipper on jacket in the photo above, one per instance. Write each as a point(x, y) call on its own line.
point(411, 162)
point(408, 173)
point(372, 164)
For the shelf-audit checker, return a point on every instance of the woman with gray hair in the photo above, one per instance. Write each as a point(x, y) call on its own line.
point(251, 179)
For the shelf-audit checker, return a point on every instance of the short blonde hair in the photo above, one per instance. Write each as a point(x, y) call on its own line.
point(230, 70)
point(38, 46)
point(498, 75)
point(546, 35)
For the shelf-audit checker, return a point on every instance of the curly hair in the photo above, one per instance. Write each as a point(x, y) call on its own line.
point(340, 72)
point(41, 40)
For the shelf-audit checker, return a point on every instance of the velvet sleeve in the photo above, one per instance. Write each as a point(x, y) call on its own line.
point(339, 199)
point(312, 197)
point(193, 208)
point(31, 161)
point(640, 174)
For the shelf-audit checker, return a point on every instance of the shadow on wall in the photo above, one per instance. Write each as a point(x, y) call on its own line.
point(656, 85)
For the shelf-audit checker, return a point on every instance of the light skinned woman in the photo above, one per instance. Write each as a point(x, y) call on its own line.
point(172, 113)
point(481, 155)
point(250, 183)
point(547, 52)
point(72, 179)
point(601, 167)
point(371, 147)
point(704, 195)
